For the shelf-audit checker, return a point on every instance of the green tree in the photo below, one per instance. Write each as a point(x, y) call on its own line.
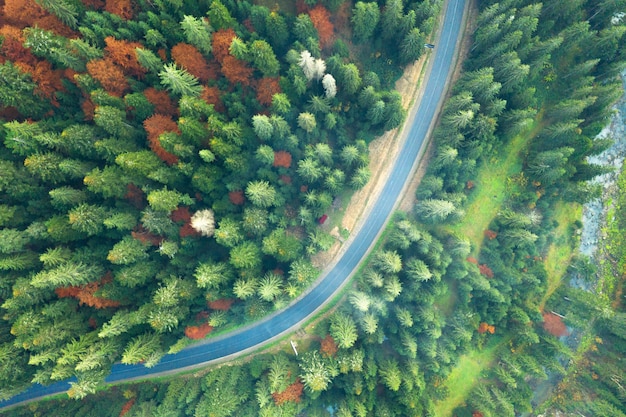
point(365, 17)
point(314, 372)
point(219, 16)
point(270, 287)
point(197, 32)
point(306, 121)
point(179, 82)
point(167, 200)
point(261, 194)
point(228, 232)
point(127, 251)
point(343, 330)
point(263, 58)
point(87, 218)
point(245, 256)
point(412, 46)
point(212, 275)
point(142, 348)
point(389, 262)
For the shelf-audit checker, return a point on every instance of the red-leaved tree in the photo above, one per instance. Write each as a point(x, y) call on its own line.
point(292, 393)
point(554, 325)
point(188, 57)
point(282, 159)
point(221, 43)
point(320, 17)
point(123, 54)
point(236, 71)
point(266, 88)
point(211, 95)
point(155, 125)
point(122, 8)
point(198, 332)
point(109, 75)
point(161, 101)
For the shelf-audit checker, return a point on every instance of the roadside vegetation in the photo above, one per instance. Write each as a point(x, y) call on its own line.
point(534, 92)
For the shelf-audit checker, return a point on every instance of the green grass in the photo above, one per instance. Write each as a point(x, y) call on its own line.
point(491, 189)
point(560, 251)
point(466, 375)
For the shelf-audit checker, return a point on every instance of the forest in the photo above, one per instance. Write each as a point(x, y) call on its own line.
point(164, 166)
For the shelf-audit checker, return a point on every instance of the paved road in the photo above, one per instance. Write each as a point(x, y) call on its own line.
point(279, 323)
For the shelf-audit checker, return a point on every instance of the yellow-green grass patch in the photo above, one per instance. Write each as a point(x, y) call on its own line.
point(466, 375)
point(560, 251)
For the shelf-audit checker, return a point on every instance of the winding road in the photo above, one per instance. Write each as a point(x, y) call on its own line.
point(279, 323)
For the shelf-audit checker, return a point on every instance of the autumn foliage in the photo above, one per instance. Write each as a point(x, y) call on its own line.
point(320, 17)
point(126, 408)
point(267, 87)
point(123, 54)
point(221, 43)
point(236, 71)
point(135, 196)
point(12, 47)
point(85, 293)
point(328, 346)
point(109, 75)
point(236, 197)
point(23, 13)
point(48, 80)
point(211, 95)
point(554, 325)
point(282, 159)
point(223, 304)
point(188, 57)
point(122, 8)
point(198, 332)
point(490, 234)
point(486, 328)
point(145, 236)
point(292, 393)
point(155, 126)
point(485, 270)
point(160, 100)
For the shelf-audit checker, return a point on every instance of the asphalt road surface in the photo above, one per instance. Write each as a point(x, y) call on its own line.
point(252, 337)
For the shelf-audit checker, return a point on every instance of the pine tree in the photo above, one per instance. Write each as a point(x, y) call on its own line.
point(197, 32)
point(179, 82)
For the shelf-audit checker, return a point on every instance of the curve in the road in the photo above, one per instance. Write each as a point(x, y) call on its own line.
point(259, 333)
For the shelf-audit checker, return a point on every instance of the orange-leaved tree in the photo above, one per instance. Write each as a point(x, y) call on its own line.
point(161, 101)
point(292, 393)
point(211, 95)
point(122, 8)
point(554, 325)
point(109, 75)
point(123, 54)
point(188, 57)
point(198, 332)
point(155, 125)
point(320, 17)
point(236, 71)
point(266, 88)
point(221, 43)
point(282, 159)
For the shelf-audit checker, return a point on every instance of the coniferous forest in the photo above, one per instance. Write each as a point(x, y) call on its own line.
point(165, 163)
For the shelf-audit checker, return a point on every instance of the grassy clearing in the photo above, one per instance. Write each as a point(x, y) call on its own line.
point(491, 188)
point(466, 375)
point(560, 251)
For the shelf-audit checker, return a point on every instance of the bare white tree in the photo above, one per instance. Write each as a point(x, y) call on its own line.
point(203, 221)
point(330, 86)
point(307, 63)
point(320, 68)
